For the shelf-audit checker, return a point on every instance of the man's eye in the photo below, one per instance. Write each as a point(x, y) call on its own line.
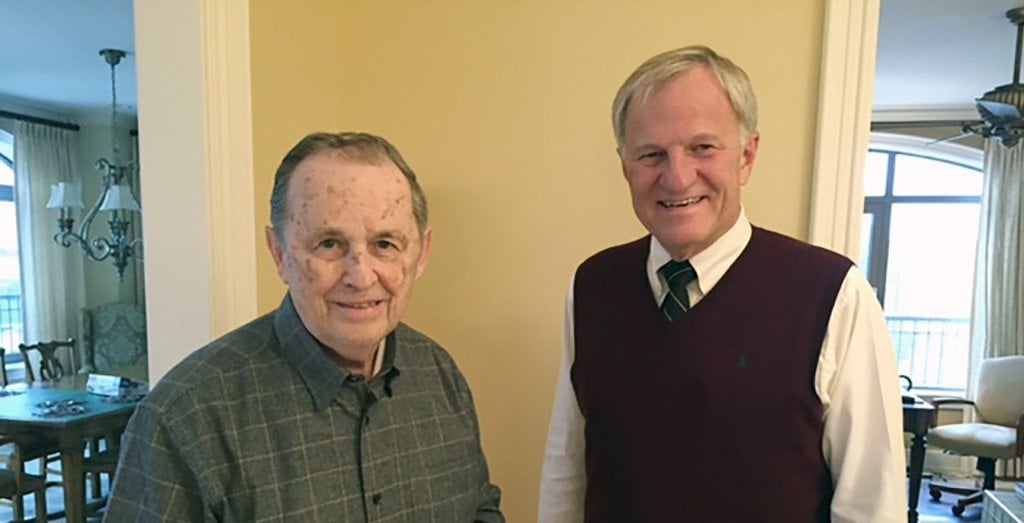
point(329, 243)
point(650, 156)
point(385, 245)
point(702, 149)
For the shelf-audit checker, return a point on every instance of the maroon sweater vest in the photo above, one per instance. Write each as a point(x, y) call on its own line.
point(713, 417)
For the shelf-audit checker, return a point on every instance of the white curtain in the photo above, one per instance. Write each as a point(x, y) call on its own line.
point(997, 324)
point(52, 278)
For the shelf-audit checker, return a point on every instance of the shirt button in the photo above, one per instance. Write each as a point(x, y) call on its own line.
point(376, 498)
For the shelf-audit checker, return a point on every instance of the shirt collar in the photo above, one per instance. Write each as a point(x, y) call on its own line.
point(710, 264)
point(322, 377)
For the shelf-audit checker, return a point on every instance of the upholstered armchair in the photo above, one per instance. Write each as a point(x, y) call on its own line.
point(113, 337)
point(997, 433)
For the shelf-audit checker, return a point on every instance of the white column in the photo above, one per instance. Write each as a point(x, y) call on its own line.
point(196, 171)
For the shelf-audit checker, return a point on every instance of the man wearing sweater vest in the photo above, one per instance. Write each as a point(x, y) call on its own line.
point(713, 370)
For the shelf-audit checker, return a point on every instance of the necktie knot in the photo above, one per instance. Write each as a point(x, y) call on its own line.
point(678, 275)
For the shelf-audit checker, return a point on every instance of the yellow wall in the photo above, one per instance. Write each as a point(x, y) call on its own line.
point(503, 110)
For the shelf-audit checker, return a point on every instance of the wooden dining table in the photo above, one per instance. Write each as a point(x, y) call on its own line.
point(42, 411)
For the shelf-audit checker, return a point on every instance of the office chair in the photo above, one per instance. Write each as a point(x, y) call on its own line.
point(998, 432)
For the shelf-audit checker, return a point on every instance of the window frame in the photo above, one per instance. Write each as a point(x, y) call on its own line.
point(880, 207)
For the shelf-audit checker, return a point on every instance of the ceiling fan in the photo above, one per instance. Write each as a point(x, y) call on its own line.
point(1001, 109)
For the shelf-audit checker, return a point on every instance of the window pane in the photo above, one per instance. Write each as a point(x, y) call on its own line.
point(927, 177)
point(10, 283)
point(931, 259)
point(929, 287)
point(875, 167)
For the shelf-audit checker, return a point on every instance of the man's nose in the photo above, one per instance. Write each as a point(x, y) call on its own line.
point(680, 171)
point(359, 272)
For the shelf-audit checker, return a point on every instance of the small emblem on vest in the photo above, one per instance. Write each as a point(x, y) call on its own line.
point(744, 361)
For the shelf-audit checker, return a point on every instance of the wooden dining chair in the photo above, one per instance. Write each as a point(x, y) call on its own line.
point(50, 366)
point(15, 455)
point(15, 484)
point(12, 454)
point(95, 464)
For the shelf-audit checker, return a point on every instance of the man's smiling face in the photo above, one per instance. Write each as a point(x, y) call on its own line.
point(350, 250)
point(685, 158)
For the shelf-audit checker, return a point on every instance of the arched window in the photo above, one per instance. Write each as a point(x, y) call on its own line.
point(918, 242)
point(10, 272)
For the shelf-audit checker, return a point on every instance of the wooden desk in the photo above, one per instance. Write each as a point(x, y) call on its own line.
point(101, 418)
point(918, 417)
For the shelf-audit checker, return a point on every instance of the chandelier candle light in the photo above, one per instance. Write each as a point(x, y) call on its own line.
point(116, 197)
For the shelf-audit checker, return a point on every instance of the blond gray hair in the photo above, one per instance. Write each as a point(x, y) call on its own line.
point(658, 70)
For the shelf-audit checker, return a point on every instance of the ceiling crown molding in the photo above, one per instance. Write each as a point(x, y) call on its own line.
point(923, 113)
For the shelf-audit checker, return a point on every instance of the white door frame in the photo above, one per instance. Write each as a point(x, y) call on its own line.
point(849, 44)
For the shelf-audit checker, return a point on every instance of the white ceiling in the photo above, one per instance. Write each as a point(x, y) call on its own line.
point(942, 53)
point(931, 54)
point(50, 62)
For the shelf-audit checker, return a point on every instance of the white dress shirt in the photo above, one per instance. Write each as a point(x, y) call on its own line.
point(856, 380)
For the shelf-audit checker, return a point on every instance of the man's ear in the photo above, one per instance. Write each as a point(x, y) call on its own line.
point(421, 262)
point(622, 162)
point(276, 250)
point(748, 155)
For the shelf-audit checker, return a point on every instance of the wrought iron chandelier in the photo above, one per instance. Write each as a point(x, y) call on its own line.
point(116, 198)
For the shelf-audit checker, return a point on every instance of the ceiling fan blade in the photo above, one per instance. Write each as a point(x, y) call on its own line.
point(997, 109)
point(952, 138)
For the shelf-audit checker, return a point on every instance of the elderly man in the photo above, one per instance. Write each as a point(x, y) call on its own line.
point(716, 371)
point(329, 408)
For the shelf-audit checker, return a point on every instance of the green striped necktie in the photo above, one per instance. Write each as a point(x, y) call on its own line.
point(677, 301)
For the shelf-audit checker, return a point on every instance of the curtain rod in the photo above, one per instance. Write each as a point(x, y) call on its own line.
point(40, 121)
